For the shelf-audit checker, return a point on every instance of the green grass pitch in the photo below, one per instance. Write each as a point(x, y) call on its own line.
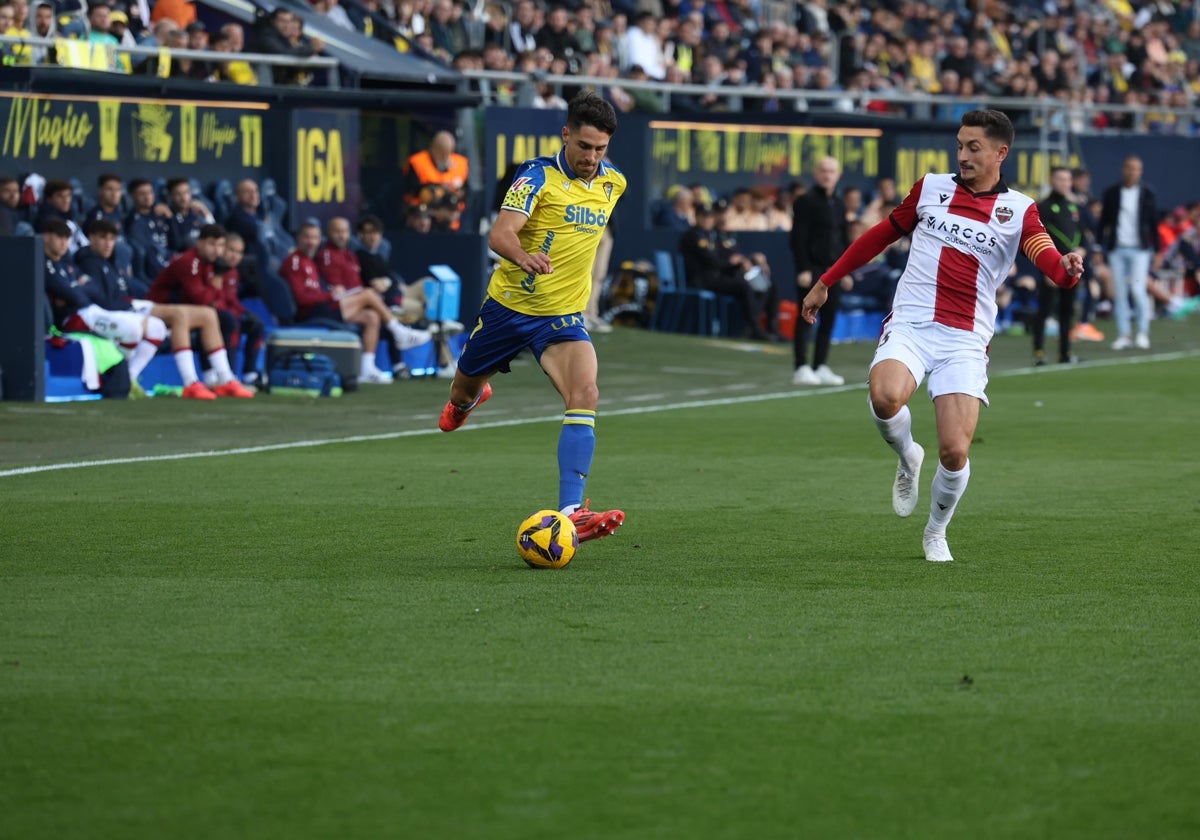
point(339, 639)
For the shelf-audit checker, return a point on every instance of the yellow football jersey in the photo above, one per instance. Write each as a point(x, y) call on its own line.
point(567, 216)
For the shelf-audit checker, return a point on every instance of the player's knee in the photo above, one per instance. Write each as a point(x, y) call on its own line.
point(886, 402)
point(585, 396)
point(953, 454)
point(156, 329)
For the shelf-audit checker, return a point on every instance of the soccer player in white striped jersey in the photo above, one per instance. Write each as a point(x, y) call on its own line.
point(966, 230)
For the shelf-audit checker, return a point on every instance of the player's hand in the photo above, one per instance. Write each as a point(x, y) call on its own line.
point(804, 279)
point(813, 301)
point(537, 263)
point(1073, 264)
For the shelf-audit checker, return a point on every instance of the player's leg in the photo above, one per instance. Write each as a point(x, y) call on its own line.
point(368, 318)
point(178, 323)
point(895, 374)
point(957, 416)
point(206, 320)
point(369, 301)
point(572, 367)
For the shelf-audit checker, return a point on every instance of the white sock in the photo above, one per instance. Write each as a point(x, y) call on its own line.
point(185, 363)
point(219, 360)
point(948, 487)
point(367, 367)
point(140, 357)
point(896, 431)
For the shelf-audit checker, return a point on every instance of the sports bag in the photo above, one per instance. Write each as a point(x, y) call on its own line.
point(304, 375)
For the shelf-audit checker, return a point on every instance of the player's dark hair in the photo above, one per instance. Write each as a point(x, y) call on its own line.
point(55, 186)
point(995, 124)
point(370, 221)
point(212, 232)
point(106, 178)
point(172, 183)
point(138, 183)
point(1054, 169)
point(587, 108)
point(101, 226)
point(56, 226)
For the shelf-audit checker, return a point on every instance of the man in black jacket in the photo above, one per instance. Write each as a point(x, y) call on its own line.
point(820, 234)
point(1061, 216)
point(1129, 234)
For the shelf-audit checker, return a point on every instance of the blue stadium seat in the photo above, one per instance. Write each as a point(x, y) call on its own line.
point(680, 309)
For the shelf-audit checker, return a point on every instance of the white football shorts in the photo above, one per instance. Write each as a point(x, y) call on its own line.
point(954, 360)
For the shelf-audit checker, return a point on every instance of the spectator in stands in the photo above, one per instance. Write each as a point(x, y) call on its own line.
point(57, 199)
point(885, 197)
point(118, 25)
point(109, 191)
point(447, 28)
point(545, 98)
point(229, 39)
point(284, 35)
point(557, 37)
point(44, 26)
point(148, 230)
point(99, 23)
point(181, 12)
point(1129, 234)
point(708, 267)
point(363, 306)
point(188, 215)
point(243, 218)
point(741, 213)
point(820, 233)
point(9, 52)
point(417, 219)
point(679, 214)
point(522, 33)
point(10, 200)
point(438, 165)
point(645, 47)
point(335, 13)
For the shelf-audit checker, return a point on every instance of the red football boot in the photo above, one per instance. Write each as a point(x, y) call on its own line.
point(590, 525)
point(453, 416)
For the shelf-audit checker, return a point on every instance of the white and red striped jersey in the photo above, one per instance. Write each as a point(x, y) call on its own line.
point(963, 246)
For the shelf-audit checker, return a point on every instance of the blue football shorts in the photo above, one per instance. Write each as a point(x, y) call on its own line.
point(501, 333)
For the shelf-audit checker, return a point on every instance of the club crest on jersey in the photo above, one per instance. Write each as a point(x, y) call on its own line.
point(608, 191)
point(1004, 214)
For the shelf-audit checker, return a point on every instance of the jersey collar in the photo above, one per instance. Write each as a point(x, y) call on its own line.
point(560, 160)
point(1001, 187)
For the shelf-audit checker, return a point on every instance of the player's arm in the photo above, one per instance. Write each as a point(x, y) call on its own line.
point(504, 239)
point(1060, 269)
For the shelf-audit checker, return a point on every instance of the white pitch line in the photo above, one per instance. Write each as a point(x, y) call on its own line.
point(557, 417)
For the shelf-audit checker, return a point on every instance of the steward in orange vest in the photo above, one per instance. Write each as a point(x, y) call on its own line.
point(439, 165)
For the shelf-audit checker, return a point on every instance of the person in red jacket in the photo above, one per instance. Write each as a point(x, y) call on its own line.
point(317, 298)
point(188, 291)
point(336, 262)
point(236, 320)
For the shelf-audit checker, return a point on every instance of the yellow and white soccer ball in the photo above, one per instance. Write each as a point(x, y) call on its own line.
point(547, 540)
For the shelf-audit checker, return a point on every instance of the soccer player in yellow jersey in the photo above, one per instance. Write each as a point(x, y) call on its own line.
point(547, 233)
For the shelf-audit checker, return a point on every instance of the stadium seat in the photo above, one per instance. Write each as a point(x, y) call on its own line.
point(680, 309)
point(222, 199)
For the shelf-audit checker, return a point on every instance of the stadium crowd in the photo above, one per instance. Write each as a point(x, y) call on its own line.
point(1084, 55)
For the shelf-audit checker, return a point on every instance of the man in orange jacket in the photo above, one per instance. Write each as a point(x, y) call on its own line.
point(439, 165)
